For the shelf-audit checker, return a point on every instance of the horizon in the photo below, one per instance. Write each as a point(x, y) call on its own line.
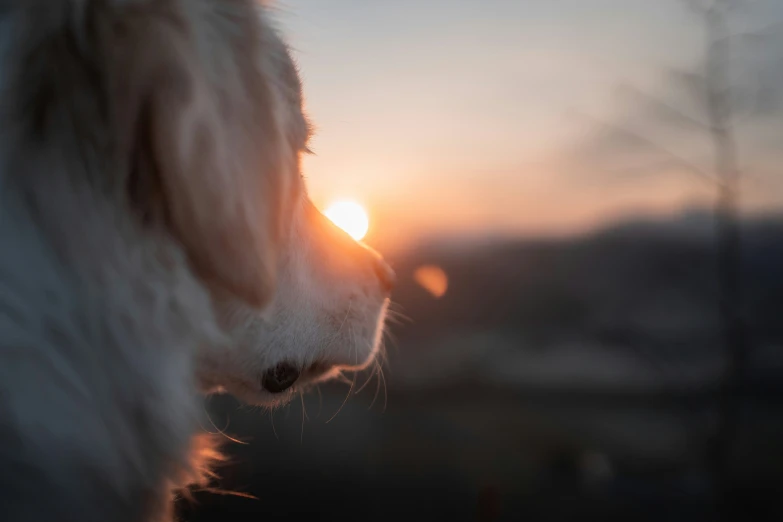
point(702, 217)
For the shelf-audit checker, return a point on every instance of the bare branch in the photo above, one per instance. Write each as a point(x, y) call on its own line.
point(664, 165)
point(645, 143)
point(661, 109)
point(692, 84)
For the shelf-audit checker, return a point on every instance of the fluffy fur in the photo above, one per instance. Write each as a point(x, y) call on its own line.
point(157, 241)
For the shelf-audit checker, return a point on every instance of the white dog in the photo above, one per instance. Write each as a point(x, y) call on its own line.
point(156, 240)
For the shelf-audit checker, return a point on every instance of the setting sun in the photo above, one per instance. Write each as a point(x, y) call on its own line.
point(349, 216)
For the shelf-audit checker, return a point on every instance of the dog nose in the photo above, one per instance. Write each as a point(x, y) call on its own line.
point(385, 274)
point(279, 378)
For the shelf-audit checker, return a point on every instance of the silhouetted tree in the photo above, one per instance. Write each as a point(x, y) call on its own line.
point(717, 101)
point(718, 94)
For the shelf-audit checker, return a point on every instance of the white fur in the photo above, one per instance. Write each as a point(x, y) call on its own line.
point(156, 242)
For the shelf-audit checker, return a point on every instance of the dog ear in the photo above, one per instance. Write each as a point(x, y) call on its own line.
point(205, 148)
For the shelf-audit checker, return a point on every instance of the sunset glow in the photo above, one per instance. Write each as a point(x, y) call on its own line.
point(510, 133)
point(350, 216)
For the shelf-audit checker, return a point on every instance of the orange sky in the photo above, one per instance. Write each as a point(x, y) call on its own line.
point(445, 116)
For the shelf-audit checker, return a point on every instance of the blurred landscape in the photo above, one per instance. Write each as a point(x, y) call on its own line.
point(583, 202)
point(564, 379)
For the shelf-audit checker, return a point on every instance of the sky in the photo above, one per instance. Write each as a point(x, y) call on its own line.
point(467, 117)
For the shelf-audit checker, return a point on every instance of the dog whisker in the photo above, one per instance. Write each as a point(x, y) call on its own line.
point(387, 338)
point(218, 491)
point(301, 395)
point(320, 401)
point(272, 418)
point(366, 382)
point(385, 390)
point(353, 382)
point(347, 313)
point(377, 387)
point(342, 378)
point(218, 431)
point(342, 405)
point(223, 433)
point(395, 314)
point(304, 414)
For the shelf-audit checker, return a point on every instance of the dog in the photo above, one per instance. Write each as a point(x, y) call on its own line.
point(157, 243)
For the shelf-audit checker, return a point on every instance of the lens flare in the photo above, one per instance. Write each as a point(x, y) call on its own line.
point(433, 279)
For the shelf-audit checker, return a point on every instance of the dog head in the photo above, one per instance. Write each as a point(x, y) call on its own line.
point(326, 316)
point(208, 106)
point(331, 292)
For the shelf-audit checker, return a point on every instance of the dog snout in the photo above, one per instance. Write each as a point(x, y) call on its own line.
point(386, 276)
point(346, 251)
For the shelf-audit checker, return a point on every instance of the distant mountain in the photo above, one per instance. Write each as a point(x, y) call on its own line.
point(646, 288)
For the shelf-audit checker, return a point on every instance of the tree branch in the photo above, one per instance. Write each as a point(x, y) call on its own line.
point(652, 146)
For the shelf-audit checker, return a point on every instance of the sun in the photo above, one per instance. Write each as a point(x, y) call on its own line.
point(350, 216)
